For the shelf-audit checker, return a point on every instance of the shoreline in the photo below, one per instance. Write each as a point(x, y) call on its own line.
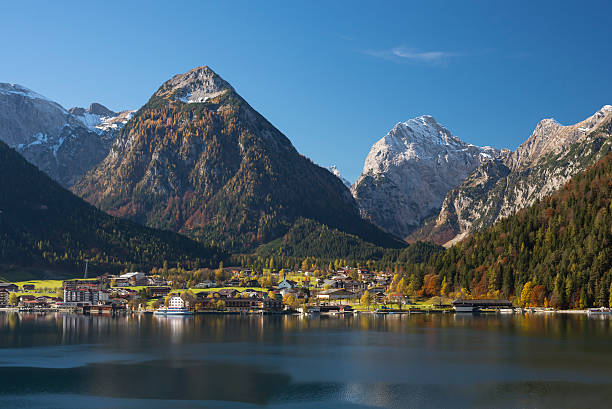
point(381, 313)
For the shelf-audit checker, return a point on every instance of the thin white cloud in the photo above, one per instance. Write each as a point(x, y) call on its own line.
point(405, 54)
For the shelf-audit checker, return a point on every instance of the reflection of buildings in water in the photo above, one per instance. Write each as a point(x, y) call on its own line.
point(175, 325)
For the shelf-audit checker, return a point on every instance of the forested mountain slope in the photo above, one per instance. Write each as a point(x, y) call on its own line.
point(561, 247)
point(43, 224)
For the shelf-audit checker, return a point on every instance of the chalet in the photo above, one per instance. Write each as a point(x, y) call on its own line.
point(227, 293)
point(253, 293)
point(26, 297)
point(156, 281)
point(376, 290)
point(251, 283)
point(336, 294)
point(332, 283)
point(206, 284)
point(28, 287)
point(354, 286)
point(234, 282)
point(126, 293)
point(10, 287)
point(158, 292)
point(245, 304)
point(4, 297)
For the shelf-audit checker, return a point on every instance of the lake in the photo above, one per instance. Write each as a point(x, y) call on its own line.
point(364, 361)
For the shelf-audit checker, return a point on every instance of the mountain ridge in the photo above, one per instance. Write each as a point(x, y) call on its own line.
point(542, 164)
point(62, 144)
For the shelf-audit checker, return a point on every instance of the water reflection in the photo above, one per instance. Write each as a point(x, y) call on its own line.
point(372, 361)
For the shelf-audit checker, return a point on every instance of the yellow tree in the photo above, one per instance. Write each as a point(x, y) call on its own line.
point(366, 299)
point(526, 294)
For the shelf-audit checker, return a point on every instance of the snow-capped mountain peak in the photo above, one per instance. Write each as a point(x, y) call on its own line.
point(408, 172)
point(420, 138)
point(197, 85)
point(63, 144)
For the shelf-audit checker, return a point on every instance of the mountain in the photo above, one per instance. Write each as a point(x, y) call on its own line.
point(44, 225)
point(556, 251)
point(197, 159)
point(499, 188)
point(333, 169)
point(408, 172)
point(58, 142)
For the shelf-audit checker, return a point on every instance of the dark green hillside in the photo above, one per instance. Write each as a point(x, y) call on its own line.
point(42, 224)
point(320, 244)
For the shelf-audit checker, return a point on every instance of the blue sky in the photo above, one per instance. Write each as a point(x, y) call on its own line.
point(333, 76)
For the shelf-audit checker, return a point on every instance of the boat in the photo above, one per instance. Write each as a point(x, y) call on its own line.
point(172, 311)
point(506, 310)
point(176, 306)
point(599, 311)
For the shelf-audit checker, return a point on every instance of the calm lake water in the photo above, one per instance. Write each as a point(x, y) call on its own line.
point(227, 361)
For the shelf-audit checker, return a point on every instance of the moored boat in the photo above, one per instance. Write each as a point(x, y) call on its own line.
point(599, 311)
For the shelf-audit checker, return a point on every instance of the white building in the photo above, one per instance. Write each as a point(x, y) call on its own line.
point(176, 302)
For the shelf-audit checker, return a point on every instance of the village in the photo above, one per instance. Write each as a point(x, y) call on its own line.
point(240, 290)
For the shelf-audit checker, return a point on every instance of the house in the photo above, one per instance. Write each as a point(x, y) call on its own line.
point(288, 291)
point(126, 293)
point(156, 281)
point(10, 287)
point(245, 304)
point(376, 290)
point(234, 282)
point(27, 297)
point(253, 294)
point(251, 283)
point(28, 287)
point(336, 294)
point(354, 286)
point(332, 283)
point(206, 284)
point(4, 297)
point(227, 293)
point(158, 292)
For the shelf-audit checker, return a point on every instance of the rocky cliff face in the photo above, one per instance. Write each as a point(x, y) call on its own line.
point(540, 166)
point(63, 145)
point(408, 173)
point(199, 160)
